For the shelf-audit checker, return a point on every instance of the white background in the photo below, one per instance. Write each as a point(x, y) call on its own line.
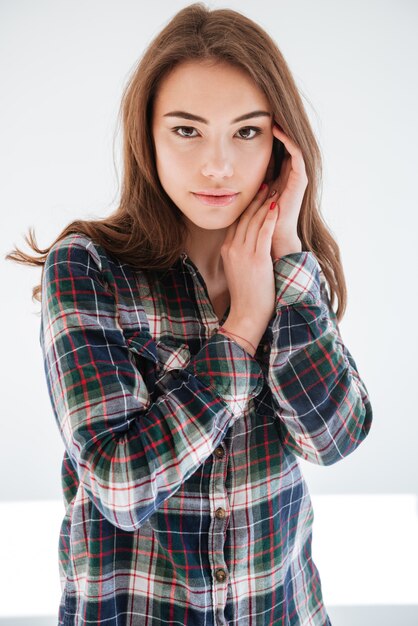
point(63, 67)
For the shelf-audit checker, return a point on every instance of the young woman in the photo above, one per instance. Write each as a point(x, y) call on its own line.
point(191, 349)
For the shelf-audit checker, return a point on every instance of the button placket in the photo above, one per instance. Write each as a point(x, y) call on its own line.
point(219, 507)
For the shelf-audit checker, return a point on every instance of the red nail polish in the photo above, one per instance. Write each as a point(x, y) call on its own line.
point(273, 205)
point(263, 186)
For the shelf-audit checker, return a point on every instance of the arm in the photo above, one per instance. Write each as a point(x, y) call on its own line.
point(322, 404)
point(130, 454)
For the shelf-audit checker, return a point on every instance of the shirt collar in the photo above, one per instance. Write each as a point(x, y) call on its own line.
point(186, 260)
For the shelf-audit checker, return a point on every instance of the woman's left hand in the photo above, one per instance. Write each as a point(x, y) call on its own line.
point(290, 186)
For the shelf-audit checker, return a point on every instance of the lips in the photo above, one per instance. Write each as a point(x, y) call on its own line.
point(216, 200)
point(216, 191)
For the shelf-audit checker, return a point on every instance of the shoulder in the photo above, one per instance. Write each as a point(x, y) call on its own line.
point(77, 252)
point(76, 263)
point(76, 247)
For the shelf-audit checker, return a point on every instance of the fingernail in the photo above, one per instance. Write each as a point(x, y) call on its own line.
point(263, 186)
point(273, 191)
point(273, 205)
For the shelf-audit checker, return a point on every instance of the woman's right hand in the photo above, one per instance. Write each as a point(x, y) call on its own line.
point(248, 267)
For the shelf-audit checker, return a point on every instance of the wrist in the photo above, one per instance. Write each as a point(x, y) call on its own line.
point(245, 328)
point(244, 343)
point(285, 247)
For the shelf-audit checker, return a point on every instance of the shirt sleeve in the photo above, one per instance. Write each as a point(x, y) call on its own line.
point(323, 406)
point(130, 454)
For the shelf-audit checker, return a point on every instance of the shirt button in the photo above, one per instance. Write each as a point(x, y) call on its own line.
point(220, 575)
point(219, 452)
point(266, 347)
point(220, 513)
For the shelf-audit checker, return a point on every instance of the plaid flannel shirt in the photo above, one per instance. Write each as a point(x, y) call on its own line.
point(184, 500)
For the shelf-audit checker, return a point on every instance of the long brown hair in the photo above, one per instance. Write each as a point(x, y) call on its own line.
point(134, 233)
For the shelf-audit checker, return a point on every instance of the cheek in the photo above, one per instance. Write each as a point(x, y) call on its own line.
point(255, 166)
point(172, 163)
point(256, 159)
point(170, 169)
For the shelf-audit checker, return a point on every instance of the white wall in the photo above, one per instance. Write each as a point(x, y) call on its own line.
point(63, 66)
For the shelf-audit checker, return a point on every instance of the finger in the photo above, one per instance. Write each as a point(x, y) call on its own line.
point(253, 212)
point(249, 212)
point(265, 235)
point(285, 169)
point(298, 163)
point(256, 222)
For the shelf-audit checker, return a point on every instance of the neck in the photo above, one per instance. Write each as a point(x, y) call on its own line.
point(204, 248)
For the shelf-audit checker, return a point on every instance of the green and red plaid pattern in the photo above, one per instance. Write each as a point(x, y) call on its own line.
point(185, 503)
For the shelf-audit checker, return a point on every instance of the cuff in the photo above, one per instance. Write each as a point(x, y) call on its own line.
point(297, 279)
point(224, 366)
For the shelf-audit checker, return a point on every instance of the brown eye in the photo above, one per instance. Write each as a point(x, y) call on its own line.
point(187, 128)
point(250, 129)
point(185, 132)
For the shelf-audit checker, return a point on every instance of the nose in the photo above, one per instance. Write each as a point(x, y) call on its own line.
point(218, 163)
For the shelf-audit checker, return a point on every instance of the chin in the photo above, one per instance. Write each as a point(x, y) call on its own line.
point(219, 225)
point(212, 219)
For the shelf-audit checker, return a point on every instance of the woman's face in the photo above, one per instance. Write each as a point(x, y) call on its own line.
point(216, 152)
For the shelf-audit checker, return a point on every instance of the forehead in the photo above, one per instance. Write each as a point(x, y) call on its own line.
point(209, 85)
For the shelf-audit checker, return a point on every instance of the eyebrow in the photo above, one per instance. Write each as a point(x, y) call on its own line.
point(197, 118)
